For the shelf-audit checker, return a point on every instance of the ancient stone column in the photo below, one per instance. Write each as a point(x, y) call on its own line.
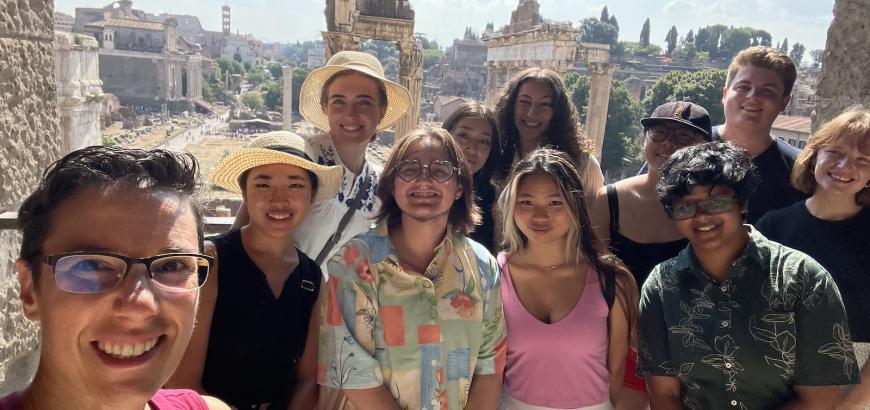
point(336, 41)
point(599, 98)
point(287, 106)
point(489, 88)
point(79, 90)
point(845, 80)
point(411, 77)
point(29, 142)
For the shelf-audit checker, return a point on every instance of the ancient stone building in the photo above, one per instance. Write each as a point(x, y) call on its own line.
point(79, 89)
point(532, 41)
point(844, 80)
point(63, 21)
point(463, 69)
point(29, 142)
point(350, 21)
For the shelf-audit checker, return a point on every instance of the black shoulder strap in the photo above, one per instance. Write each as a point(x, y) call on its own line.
point(336, 236)
point(613, 204)
point(608, 288)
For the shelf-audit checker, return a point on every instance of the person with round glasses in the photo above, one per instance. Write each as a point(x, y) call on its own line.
point(413, 315)
point(736, 320)
point(258, 316)
point(111, 263)
point(630, 220)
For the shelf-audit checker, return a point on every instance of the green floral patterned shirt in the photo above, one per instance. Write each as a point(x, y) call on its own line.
point(776, 321)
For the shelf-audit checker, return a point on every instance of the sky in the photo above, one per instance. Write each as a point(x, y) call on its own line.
point(804, 21)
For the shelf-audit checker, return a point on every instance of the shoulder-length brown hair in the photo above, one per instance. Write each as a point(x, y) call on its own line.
point(477, 110)
point(464, 214)
point(852, 125)
point(562, 132)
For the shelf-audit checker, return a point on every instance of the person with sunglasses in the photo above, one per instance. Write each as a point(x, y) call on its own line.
point(258, 316)
point(629, 218)
point(111, 263)
point(736, 320)
point(413, 315)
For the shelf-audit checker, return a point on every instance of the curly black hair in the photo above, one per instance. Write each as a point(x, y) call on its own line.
point(710, 164)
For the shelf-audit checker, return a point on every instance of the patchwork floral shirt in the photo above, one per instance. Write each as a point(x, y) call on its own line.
point(777, 321)
point(425, 335)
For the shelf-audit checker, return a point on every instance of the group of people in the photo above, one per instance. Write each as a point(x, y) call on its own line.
point(485, 265)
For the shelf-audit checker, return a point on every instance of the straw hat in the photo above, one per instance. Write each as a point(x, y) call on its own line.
point(262, 151)
point(398, 97)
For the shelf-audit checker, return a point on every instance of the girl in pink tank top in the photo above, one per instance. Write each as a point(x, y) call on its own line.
point(570, 310)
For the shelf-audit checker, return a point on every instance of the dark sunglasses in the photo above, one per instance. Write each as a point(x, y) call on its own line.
point(679, 136)
point(715, 205)
point(96, 272)
point(439, 171)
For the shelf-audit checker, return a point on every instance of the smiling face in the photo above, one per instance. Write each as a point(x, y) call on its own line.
point(533, 110)
point(754, 98)
point(120, 346)
point(474, 137)
point(354, 109)
point(425, 199)
point(278, 197)
point(540, 212)
point(657, 152)
point(707, 232)
point(842, 168)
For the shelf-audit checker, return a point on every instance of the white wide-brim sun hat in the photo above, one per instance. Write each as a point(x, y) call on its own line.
point(398, 97)
point(264, 151)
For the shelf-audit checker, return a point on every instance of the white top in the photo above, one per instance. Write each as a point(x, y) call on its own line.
point(323, 217)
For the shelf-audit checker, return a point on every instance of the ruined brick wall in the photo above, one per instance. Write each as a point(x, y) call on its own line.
point(845, 80)
point(28, 143)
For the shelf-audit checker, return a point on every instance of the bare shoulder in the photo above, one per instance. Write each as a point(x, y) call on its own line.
point(215, 404)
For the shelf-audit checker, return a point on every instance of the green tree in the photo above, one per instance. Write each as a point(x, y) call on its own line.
point(432, 56)
point(257, 76)
point(623, 123)
point(233, 66)
point(273, 94)
point(816, 57)
point(593, 30)
point(701, 87)
point(690, 37)
point(276, 70)
point(253, 100)
point(797, 53)
point(614, 23)
point(671, 39)
point(605, 15)
point(733, 40)
point(644, 34)
point(784, 47)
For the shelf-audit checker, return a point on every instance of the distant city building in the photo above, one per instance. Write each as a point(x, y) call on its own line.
point(803, 94)
point(63, 22)
point(794, 130)
point(316, 58)
point(463, 69)
point(446, 104)
point(244, 48)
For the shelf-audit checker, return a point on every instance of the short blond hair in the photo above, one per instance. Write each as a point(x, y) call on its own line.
point(769, 58)
point(852, 125)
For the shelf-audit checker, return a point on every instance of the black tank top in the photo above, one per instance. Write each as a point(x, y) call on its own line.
point(255, 339)
point(640, 258)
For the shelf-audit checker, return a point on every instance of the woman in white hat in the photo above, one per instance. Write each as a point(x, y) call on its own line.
point(256, 339)
point(350, 99)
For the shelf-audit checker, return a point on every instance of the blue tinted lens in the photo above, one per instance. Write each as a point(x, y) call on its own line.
point(88, 273)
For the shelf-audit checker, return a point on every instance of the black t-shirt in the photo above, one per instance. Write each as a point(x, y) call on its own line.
point(255, 339)
point(774, 167)
point(484, 197)
point(841, 247)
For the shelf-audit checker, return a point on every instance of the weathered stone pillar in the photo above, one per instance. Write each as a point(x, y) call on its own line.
point(287, 106)
point(336, 41)
point(489, 89)
point(411, 77)
point(29, 142)
point(79, 90)
point(845, 80)
point(599, 98)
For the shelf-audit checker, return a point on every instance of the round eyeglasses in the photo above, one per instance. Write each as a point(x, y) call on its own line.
point(96, 272)
point(711, 206)
point(439, 171)
point(679, 136)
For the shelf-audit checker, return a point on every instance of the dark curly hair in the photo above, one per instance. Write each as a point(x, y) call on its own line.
point(105, 166)
point(562, 133)
point(710, 164)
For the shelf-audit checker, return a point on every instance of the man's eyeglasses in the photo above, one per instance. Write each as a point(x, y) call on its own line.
point(679, 136)
point(96, 272)
point(715, 205)
point(439, 171)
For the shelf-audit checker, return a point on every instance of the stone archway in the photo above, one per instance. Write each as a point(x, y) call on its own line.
point(387, 20)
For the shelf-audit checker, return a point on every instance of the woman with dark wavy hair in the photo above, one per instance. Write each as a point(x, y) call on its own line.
point(535, 110)
point(475, 131)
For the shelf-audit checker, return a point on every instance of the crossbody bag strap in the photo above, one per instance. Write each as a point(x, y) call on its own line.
point(336, 236)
